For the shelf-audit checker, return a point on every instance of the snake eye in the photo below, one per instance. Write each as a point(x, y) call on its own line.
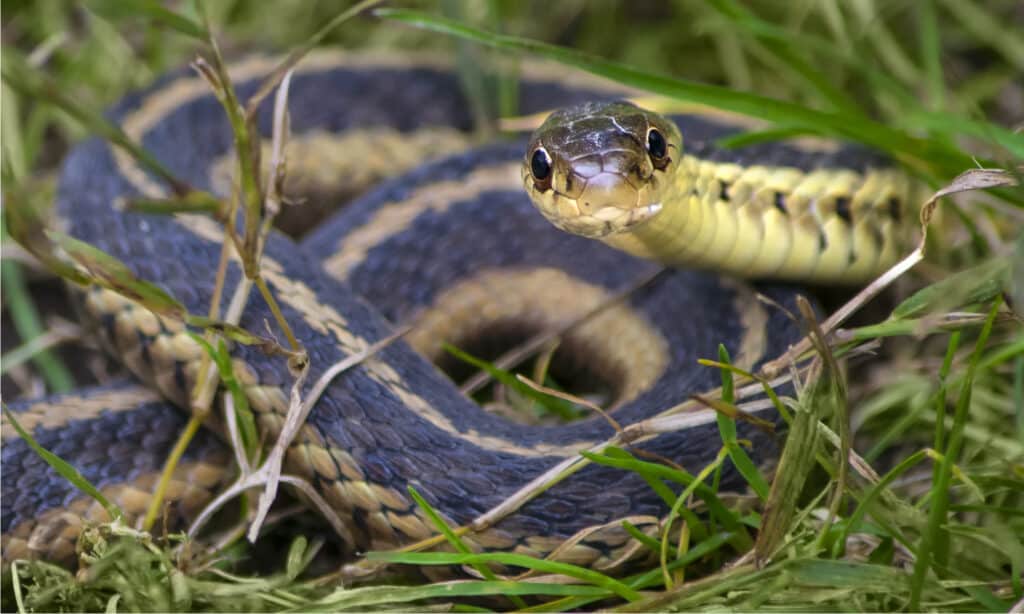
point(656, 144)
point(540, 167)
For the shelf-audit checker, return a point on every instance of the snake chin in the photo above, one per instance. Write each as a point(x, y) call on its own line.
point(606, 221)
point(613, 220)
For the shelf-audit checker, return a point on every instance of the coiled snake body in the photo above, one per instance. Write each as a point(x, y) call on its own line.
point(452, 247)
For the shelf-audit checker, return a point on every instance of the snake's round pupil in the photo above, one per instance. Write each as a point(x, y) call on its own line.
point(540, 165)
point(656, 144)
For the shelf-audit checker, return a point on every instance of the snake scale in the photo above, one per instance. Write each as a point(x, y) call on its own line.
point(453, 247)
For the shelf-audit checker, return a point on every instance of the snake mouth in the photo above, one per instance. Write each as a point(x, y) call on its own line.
point(604, 222)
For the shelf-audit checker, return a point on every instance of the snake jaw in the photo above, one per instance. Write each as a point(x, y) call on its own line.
point(603, 222)
point(608, 221)
point(642, 214)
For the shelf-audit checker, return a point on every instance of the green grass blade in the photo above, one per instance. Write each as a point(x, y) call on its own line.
point(116, 10)
point(115, 275)
point(987, 599)
point(931, 54)
point(952, 125)
point(713, 468)
point(196, 201)
point(651, 578)
point(36, 87)
point(367, 598)
point(455, 540)
point(697, 527)
point(978, 284)
point(785, 51)
point(940, 400)
point(26, 321)
point(828, 51)
point(765, 384)
point(795, 464)
point(727, 430)
point(65, 469)
point(988, 30)
point(702, 549)
point(831, 574)
point(505, 558)
point(649, 542)
point(934, 539)
point(553, 405)
point(871, 495)
point(1018, 395)
point(615, 457)
point(243, 413)
point(784, 113)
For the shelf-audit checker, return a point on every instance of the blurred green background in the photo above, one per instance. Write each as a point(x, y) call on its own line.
point(962, 57)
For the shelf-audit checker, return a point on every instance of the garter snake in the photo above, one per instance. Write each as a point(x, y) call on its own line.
point(453, 247)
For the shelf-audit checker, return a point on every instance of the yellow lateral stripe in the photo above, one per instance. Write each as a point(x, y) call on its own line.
point(56, 414)
point(393, 218)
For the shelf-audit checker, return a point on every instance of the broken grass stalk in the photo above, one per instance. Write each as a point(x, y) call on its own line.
point(843, 313)
point(270, 472)
point(837, 393)
point(299, 410)
point(565, 396)
point(206, 385)
point(202, 395)
point(247, 149)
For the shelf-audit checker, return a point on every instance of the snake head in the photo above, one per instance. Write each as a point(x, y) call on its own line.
point(597, 169)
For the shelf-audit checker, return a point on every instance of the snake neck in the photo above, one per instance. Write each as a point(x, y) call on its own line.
point(825, 225)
